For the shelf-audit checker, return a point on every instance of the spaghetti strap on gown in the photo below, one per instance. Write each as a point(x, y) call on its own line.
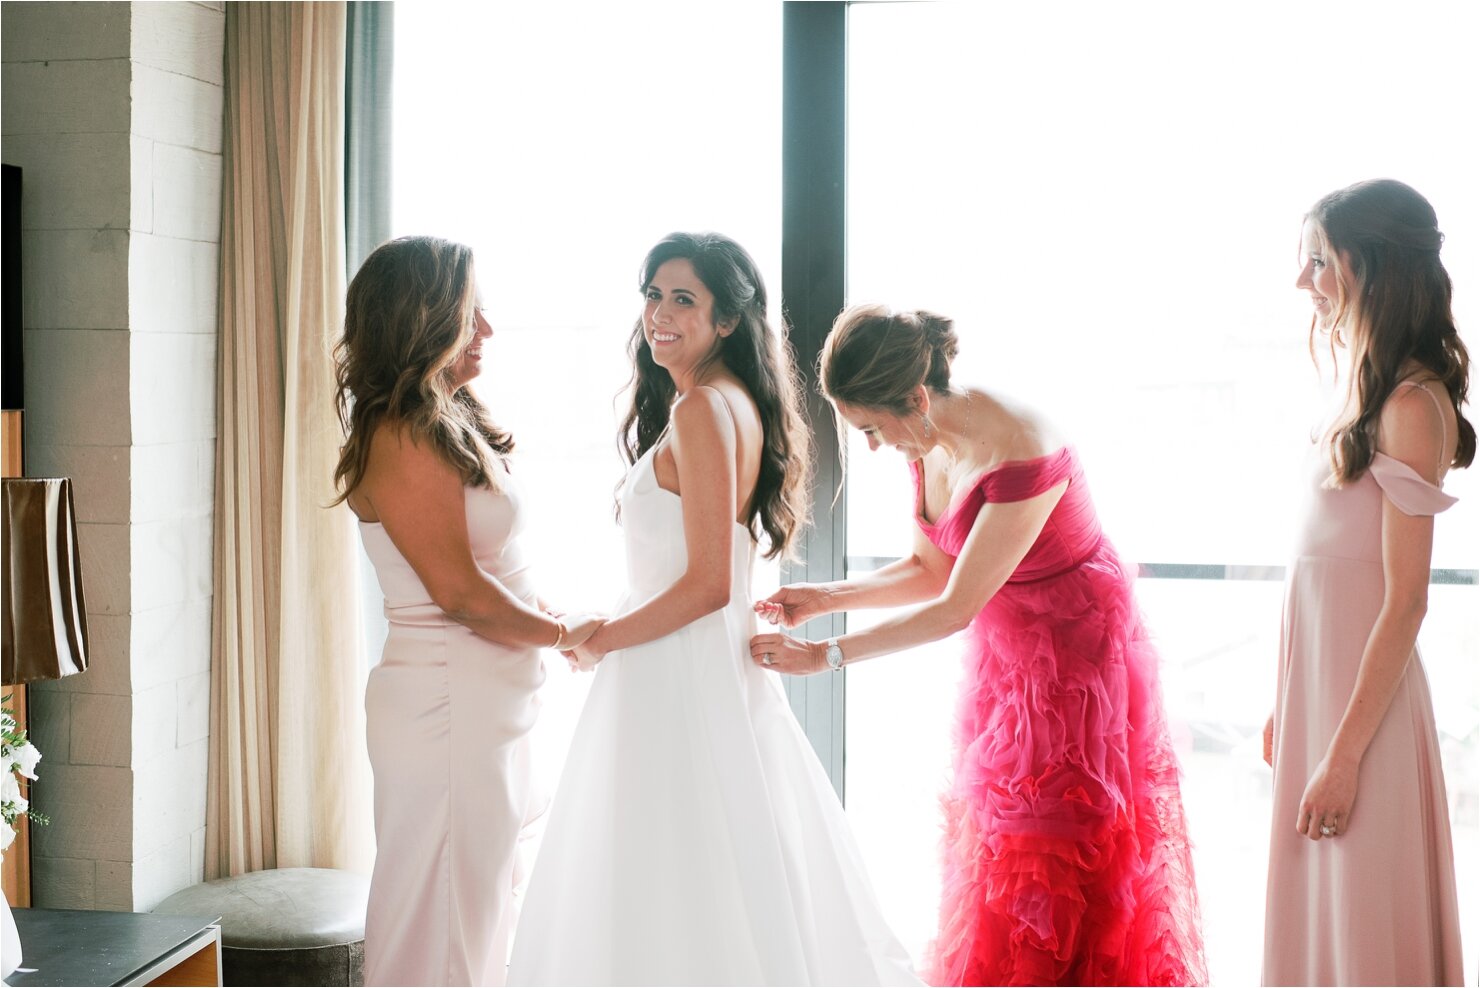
point(694, 838)
point(1377, 905)
point(1066, 858)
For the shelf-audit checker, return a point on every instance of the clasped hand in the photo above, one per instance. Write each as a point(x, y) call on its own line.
point(582, 651)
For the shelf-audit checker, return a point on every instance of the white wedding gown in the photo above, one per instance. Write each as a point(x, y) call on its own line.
point(694, 838)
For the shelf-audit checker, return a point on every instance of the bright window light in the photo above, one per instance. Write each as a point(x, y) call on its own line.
point(1107, 199)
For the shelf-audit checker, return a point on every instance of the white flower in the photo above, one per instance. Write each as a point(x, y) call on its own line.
point(6, 836)
point(10, 790)
point(26, 759)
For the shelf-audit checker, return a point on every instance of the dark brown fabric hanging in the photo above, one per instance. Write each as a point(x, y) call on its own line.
point(45, 617)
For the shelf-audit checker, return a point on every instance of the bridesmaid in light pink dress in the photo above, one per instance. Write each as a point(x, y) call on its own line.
point(450, 705)
point(1361, 871)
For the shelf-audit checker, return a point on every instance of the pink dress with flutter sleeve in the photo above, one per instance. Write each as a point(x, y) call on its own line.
point(1375, 905)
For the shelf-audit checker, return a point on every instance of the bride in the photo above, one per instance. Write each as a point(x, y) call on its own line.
point(694, 838)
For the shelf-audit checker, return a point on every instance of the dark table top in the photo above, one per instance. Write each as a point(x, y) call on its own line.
point(93, 947)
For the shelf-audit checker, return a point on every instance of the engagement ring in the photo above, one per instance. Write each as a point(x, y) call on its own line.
point(766, 659)
point(1327, 830)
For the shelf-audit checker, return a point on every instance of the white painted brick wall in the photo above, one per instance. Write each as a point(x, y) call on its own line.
point(114, 112)
point(185, 39)
point(172, 387)
point(173, 281)
point(171, 643)
point(176, 109)
point(193, 459)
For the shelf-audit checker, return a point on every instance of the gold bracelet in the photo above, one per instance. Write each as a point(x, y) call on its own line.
point(559, 635)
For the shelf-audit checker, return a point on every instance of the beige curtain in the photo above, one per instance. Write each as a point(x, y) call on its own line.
point(289, 784)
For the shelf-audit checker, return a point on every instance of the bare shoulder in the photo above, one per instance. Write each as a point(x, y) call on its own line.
point(1004, 428)
point(704, 412)
point(396, 452)
point(393, 441)
point(1417, 427)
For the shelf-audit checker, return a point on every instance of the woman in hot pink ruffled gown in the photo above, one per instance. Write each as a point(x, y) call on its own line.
point(1066, 855)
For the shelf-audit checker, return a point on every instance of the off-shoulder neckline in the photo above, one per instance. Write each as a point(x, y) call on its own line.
point(959, 496)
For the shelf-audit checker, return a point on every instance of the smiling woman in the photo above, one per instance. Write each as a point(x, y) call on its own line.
point(1108, 203)
point(689, 780)
point(550, 145)
point(426, 471)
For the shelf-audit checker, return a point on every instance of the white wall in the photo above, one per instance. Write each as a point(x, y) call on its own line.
point(114, 112)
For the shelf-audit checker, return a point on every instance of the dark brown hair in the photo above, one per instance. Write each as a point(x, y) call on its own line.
point(875, 357)
point(1394, 306)
point(408, 316)
point(757, 355)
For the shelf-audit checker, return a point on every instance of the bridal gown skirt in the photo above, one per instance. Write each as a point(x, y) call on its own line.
point(694, 838)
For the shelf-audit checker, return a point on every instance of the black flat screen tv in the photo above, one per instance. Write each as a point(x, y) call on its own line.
point(12, 356)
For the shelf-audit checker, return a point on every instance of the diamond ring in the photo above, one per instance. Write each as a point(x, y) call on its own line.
point(766, 659)
point(1327, 830)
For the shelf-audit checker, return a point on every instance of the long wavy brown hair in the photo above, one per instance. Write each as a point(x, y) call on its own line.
point(757, 355)
point(408, 316)
point(1393, 306)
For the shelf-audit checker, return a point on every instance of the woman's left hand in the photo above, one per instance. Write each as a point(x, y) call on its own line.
point(1326, 807)
point(783, 653)
point(587, 655)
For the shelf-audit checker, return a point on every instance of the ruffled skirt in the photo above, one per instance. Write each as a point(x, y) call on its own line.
point(1066, 856)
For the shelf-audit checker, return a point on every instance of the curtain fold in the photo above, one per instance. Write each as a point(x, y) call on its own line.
point(289, 783)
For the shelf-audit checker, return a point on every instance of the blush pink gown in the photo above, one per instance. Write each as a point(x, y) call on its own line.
point(1377, 905)
point(1066, 857)
point(448, 714)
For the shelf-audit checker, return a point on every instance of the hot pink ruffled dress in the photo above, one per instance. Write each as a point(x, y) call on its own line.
point(1066, 857)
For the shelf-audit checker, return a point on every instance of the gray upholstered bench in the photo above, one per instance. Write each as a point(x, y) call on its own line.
point(286, 926)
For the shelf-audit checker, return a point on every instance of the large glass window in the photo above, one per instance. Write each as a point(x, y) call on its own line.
point(1107, 200)
point(561, 143)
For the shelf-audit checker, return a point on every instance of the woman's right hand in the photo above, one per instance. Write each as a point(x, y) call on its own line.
point(1269, 741)
point(796, 604)
point(579, 627)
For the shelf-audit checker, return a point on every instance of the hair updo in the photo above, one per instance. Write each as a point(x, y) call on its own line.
point(875, 357)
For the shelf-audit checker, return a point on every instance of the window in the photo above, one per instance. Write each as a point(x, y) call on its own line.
point(1108, 202)
point(1106, 199)
point(560, 144)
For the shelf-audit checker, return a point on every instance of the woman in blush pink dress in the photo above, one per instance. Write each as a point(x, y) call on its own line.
point(450, 705)
point(1361, 870)
point(1066, 855)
